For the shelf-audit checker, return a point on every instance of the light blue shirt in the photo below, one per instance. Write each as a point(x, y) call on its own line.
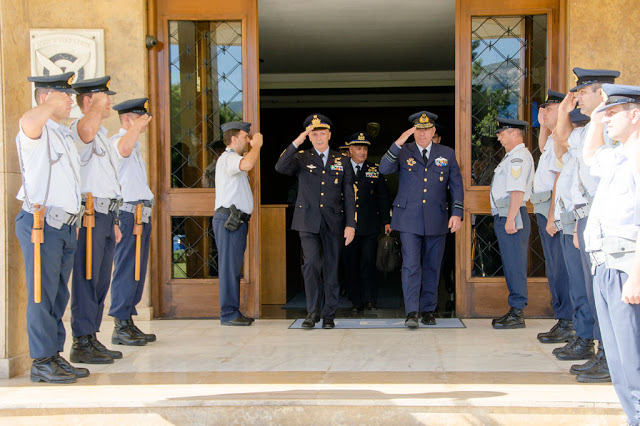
point(563, 200)
point(514, 173)
point(548, 166)
point(132, 172)
point(325, 154)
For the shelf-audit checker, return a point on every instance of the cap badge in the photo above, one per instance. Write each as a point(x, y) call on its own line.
point(361, 137)
point(70, 79)
point(423, 119)
point(316, 121)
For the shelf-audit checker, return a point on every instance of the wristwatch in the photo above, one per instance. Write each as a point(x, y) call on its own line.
point(117, 222)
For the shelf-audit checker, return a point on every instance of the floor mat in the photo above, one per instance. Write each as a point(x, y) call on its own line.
point(346, 323)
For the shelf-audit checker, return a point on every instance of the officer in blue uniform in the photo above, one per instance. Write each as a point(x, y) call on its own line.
point(325, 202)
point(372, 209)
point(126, 291)
point(50, 170)
point(510, 189)
point(234, 205)
point(426, 171)
point(611, 238)
point(99, 177)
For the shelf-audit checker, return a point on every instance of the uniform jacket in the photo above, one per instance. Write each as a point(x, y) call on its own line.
point(372, 200)
point(323, 192)
point(421, 204)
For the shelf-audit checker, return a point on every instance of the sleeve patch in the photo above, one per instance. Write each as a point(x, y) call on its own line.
point(516, 171)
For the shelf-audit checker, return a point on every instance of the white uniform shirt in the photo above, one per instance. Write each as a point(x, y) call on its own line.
point(584, 176)
point(98, 165)
point(545, 175)
point(132, 172)
point(232, 184)
point(514, 173)
point(50, 162)
point(564, 185)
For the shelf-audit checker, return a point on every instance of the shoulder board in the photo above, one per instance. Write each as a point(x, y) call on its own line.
point(301, 151)
point(377, 164)
point(517, 160)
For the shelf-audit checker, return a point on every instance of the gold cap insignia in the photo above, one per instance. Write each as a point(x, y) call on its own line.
point(424, 118)
point(71, 79)
point(361, 137)
point(316, 121)
point(576, 78)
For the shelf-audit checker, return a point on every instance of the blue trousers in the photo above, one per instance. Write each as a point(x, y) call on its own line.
point(359, 265)
point(231, 246)
point(583, 321)
point(87, 296)
point(126, 292)
point(514, 250)
point(588, 276)
point(620, 327)
point(44, 320)
point(557, 274)
point(421, 263)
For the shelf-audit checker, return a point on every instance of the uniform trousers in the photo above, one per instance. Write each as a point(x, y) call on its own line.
point(88, 296)
point(556, 270)
point(583, 321)
point(321, 253)
point(44, 320)
point(231, 246)
point(359, 265)
point(126, 291)
point(620, 327)
point(514, 249)
point(588, 276)
point(421, 263)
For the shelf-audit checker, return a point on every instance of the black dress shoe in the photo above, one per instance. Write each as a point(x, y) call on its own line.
point(371, 306)
point(123, 334)
point(48, 370)
point(102, 348)
point(566, 347)
point(582, 349)
point(239, 321)
point(328, 323)
point(599, 373)
point(412, 320)
point(513, 319)
point(82, 351)
point(561, 332)
point(146, 336)
point(311, 320)
point(428, 318)
point(78, 372)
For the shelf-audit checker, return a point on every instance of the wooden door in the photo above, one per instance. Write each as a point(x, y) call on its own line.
point(203, 73)
point(508, 53)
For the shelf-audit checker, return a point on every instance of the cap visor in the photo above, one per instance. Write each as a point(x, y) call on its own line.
point(606, 107)
point(110, 92)
point(580, 86)
point(69, 91)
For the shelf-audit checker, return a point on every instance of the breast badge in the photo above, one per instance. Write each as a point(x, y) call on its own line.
point(411, 162)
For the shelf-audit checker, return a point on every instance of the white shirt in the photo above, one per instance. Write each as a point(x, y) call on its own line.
point(514, 173)
point(564, 185)
point(232, 184)
point(50, 163)
point(98, 165)
point(584, 180)
point(548, 166)
point(132, 172)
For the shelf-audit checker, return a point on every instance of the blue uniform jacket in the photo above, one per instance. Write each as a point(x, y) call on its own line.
point(372, 200)
point(323, 192)
point(421, 204)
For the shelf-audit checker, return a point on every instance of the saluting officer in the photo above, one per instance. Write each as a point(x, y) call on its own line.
point(126, 291)
point(325, 202)
point(234, 205)
point(372, 209)
point(50, 192)
point(611, 237)
point(99, 176)
point(510, 189)
point(426, 171)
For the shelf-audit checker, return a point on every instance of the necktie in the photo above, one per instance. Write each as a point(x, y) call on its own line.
point(322, 159)
point(424, 156)
point(357, 172)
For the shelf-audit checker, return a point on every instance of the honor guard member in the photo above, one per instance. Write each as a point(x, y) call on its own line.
point(234, 205)
point(611, 238)
point(543, 206)
point(46, 225)
point(426, 171)
point(372, 210)
point(134, 217)
point(510, 189)
point(101, 193)
point(325, 203)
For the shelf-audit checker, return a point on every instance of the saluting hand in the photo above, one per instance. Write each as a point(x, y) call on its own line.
point(301, 138)
point(631, 290)
point(597, 117)
point(99, 100)
point(142, 121)
point(455, 223)
point(59, 102)
point(349, 234)
point(403, 137)
point(256, 140)
point(568, 104)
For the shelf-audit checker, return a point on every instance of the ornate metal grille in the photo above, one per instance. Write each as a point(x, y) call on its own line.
point(193, 253)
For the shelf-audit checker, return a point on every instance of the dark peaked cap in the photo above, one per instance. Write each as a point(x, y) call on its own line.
point(59, 82)
point(94, 85)
point(236, 125)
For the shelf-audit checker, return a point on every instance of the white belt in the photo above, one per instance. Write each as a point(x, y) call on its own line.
point(131, 208)
point(582, 212)
point(105, 205)
point(57, 217)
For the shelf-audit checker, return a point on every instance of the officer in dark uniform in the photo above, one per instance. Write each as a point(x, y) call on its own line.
point(325, 202)
point(372, 209)
point(426, 171)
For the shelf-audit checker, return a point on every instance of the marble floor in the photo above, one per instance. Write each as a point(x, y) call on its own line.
point(199, 372)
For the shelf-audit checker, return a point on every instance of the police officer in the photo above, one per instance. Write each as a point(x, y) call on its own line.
point(544, 206)
point(324, 203)
point(50, 192)
point(611, 238)
point(372, 209)
point(426, 171)
point(126, 291)
point(510, 189)
point(234, 205)
point(99, 180)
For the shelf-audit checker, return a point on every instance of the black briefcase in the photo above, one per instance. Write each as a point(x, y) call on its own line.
point(389, 256)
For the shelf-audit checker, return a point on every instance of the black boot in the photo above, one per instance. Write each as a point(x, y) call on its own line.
point(566, 347)
point(599, 373)
point(582, 349)
point(502, 318)
point(581, 368)
point(49, 371)
point(412, 320)
point(78, 372)
point(561, 332)
point(311, 320)
point(102, 348)
point(513, 319)
point(83, 352)
point(145, 336)
point(123, 334)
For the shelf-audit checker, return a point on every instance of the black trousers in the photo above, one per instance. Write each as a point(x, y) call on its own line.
point(359, 265)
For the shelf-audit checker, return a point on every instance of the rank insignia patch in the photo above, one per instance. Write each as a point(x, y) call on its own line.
point(411, 162)
point(516, 171)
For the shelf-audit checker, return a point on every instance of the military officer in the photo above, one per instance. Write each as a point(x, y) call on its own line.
point(234, 205)
point(426, 171)
point(611, 237)
point(50, 196)
point(99, 180)
point(372, 210)
point(344, 150)
point(510, 189)
point(324, 203)
point(126, 291)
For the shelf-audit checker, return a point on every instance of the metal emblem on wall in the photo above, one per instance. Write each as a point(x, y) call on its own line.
point(58, 51)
